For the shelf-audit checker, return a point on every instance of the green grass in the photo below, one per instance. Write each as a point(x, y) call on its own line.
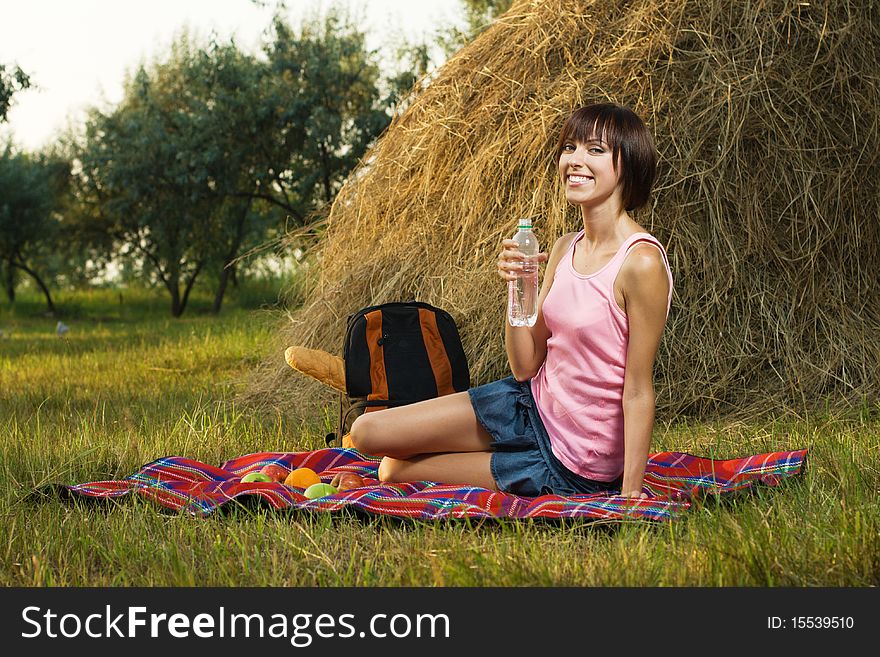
point(128, 385)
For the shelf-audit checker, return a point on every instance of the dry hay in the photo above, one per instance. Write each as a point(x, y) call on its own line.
point(766, 119)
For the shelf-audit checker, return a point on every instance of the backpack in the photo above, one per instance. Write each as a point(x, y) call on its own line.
point(400, 353)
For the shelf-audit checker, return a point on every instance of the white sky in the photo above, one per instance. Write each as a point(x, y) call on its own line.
point(77, 51)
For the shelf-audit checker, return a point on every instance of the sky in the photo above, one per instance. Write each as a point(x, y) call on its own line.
point(78, 51)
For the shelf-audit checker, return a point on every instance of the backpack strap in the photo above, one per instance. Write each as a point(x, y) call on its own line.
point(375, 343)
point(437, 355)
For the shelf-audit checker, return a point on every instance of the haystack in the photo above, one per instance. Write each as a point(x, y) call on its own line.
point(766, 117)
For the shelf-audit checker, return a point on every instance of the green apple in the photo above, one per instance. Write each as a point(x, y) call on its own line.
point(255, 476)
point(319, 490)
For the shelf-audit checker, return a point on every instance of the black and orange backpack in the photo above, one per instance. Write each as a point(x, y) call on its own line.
point(400, 353)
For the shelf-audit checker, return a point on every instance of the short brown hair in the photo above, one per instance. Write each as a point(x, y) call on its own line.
point(629, 139)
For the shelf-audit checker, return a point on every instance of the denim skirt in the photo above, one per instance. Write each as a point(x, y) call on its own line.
point(522, 461)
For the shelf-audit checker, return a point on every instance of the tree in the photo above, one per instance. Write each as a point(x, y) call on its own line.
point(414, 61)
point(334, 108)
point(479, 15)
point(28, 225)
point(143, 178)
point(12, 80)
point(212, 150)
point(293, 129)
point(234, 98)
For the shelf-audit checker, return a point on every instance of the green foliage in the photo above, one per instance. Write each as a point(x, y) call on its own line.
point(24, 203)
point(147, 194)
point(333, 109)
point(213, 152)
point(30, 227)
point(479, 15)
point(414, 61)
point(12, 80)
point(163, 172)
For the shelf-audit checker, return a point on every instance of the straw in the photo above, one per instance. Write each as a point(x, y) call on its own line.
point(766, 116)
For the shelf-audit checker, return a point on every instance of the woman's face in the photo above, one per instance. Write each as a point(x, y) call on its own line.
point(587, 172)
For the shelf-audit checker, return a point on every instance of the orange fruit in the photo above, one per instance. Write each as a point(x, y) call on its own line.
point(302, 478)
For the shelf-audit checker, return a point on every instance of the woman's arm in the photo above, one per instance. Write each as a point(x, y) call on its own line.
point(527, 345)
point(645, 288)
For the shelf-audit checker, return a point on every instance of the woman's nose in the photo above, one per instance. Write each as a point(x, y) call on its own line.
point(578, 156)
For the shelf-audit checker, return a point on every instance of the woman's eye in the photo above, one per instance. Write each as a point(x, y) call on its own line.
point(568, 147)
point(596, 149)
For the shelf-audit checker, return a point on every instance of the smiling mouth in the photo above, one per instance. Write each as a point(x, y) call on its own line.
point(579, 180)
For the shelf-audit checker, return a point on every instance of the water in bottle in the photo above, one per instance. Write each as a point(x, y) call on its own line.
point(522, 294)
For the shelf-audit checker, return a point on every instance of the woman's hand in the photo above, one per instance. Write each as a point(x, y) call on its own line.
point(511, 258)
point(633, 494)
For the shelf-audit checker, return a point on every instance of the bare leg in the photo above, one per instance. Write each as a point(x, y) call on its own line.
point(436, 440)
point(469, 468)
point(443, 424)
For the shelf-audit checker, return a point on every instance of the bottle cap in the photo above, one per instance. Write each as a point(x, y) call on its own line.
point(525, 222)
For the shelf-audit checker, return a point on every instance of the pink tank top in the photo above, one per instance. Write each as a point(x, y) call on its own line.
point(579, 388)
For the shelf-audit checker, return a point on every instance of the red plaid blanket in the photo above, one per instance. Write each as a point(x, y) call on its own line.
point(673, 480)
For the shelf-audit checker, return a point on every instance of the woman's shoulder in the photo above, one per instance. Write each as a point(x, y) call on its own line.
point(563, 242)
point(642, 241)
point(645, 259)
point(637, 231)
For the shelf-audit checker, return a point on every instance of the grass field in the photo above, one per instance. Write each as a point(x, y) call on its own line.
point(128, 384)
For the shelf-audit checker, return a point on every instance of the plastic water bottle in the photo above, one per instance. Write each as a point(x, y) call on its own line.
point(522, 294)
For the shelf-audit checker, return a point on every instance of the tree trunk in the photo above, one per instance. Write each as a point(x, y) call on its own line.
point(188, 288)
point(30, 272)
point(172, 282)
point(325, 175)
point(9, 282)
point(176, 308)
point(221, 288)
point(228, 266)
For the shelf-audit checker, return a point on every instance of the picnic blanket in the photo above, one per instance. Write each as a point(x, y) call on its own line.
point(673, 480)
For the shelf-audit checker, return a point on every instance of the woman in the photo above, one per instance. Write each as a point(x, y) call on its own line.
point(578, 412)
